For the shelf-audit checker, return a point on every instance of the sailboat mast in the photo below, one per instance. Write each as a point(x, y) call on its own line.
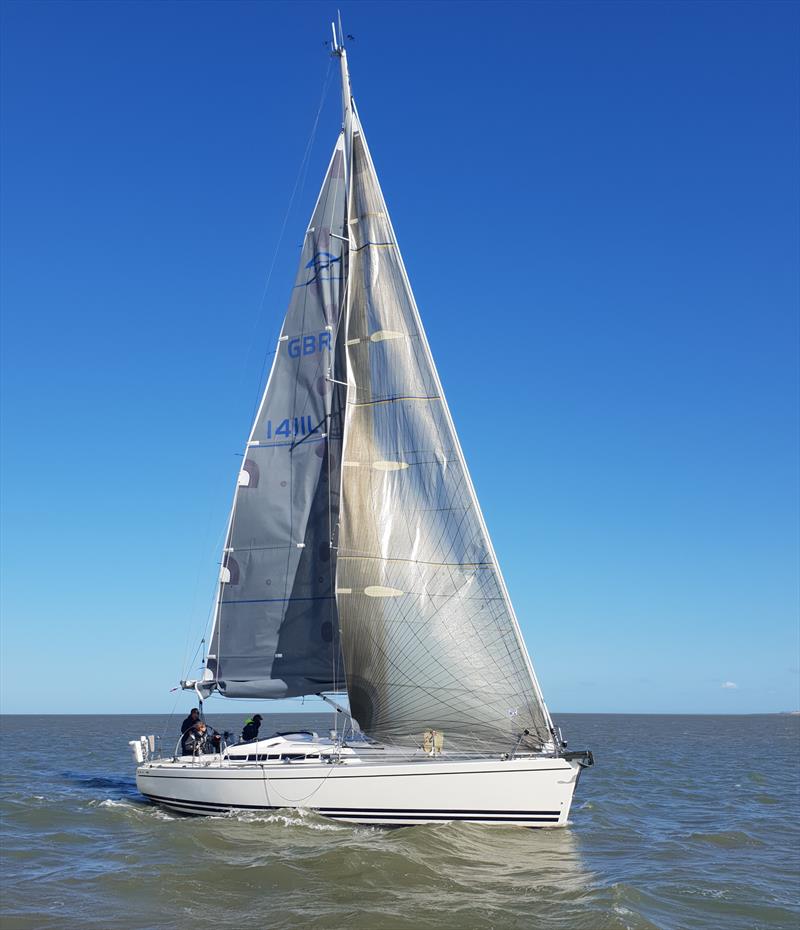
point(340, 51)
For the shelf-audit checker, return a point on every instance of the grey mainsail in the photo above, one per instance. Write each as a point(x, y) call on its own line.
point(428, 632)
point(275, 630)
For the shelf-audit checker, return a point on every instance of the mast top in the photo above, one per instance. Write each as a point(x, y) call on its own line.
point(338, 39)
point(339, 50)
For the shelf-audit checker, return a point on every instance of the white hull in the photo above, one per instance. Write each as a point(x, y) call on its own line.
point(524, 791)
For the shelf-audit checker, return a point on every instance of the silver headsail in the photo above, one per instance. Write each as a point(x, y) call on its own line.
point(428, 633)
point(275, 631)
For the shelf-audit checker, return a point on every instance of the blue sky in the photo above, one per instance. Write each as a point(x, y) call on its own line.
point(598, 207)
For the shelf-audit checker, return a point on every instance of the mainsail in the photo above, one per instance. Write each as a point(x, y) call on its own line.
point(428, 633)
point(275, 631)
point(356, 543)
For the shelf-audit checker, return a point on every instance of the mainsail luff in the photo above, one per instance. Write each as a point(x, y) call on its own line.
point(417, 652)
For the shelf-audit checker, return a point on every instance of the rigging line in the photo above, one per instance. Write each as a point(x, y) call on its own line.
point(301, 175)
point(167, 722)
point(374, 245)
point(214, 585)
point(391, 400)
point(194, 657)
point(323, 780)
point(207, 554)
point(178, 695)
point(259, 314)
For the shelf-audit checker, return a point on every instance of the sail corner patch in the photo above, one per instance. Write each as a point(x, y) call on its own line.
point(249, 475)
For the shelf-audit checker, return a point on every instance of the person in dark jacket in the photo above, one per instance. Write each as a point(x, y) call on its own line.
point(191, 720)
point(200, 740)
point(251, 728)
point(194, 739)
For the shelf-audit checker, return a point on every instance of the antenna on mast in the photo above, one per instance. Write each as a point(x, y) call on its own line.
point(338, 40)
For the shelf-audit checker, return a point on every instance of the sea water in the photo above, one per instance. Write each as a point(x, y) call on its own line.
point(684, 822)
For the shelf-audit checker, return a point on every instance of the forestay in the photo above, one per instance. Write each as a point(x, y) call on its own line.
point(428, 633)
point(275, 631)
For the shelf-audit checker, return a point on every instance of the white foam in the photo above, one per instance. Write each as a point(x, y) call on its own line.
point(288, 820)
point(140, 809)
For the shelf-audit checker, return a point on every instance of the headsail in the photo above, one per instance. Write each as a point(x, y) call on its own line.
point(275, 631)
point(428, 632)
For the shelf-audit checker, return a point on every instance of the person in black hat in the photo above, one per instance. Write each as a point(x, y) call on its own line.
point(191, 720)
point(251, 727)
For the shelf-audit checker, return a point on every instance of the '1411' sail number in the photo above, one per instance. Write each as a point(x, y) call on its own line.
point(289, 427)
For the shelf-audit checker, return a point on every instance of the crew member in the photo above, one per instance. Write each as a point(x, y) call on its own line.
point(251, 727)
point(194, 739)
point(191, 720)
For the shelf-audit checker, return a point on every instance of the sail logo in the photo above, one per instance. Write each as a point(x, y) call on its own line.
point(308, 345)
point(320, 263)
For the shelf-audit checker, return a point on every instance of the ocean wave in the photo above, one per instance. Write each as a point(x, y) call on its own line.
point(287, 818)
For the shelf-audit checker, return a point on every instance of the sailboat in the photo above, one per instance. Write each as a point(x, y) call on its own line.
point(357, 562)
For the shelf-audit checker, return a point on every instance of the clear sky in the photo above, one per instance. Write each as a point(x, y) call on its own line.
point(598, 207)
